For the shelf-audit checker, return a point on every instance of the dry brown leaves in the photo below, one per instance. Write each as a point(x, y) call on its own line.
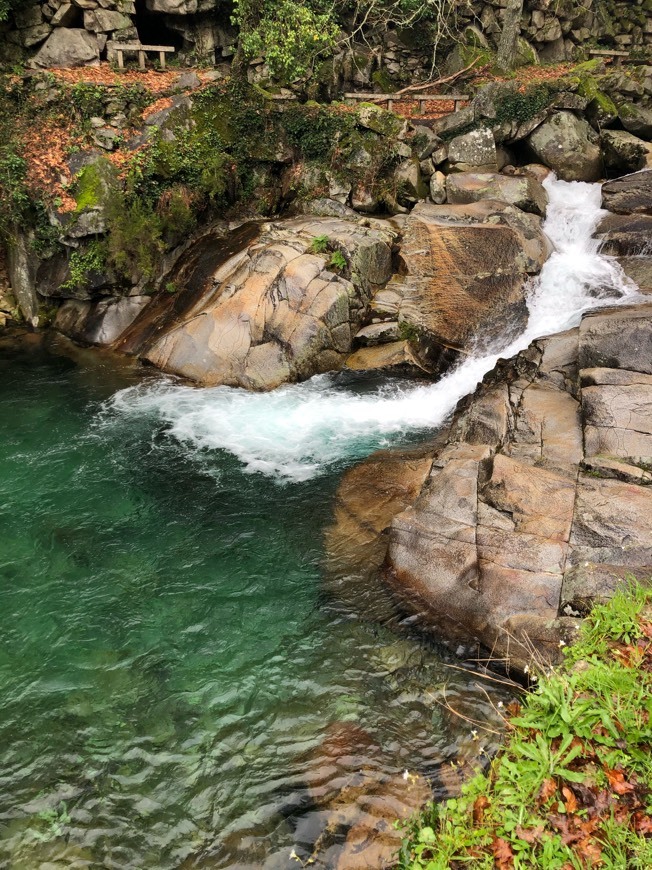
point(154, 80)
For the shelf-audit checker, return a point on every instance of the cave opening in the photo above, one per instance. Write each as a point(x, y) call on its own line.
point(152, 28)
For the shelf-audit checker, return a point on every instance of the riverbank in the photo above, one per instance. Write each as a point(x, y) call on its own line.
point(571, 788)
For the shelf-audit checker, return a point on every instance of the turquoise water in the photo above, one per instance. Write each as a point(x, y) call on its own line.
point(170, 662)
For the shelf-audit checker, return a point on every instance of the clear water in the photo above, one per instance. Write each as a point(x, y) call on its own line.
point(169, 661)
point(172, 668)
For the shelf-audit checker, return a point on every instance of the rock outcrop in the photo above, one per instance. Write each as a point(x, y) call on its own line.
point(279, 309)
point(569, 146)
point(539, 501)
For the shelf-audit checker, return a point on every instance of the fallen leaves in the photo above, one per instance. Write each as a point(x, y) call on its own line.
point(503, 854)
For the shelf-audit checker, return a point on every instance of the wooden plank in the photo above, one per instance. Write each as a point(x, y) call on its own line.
point(606, 53)
point(121, 58)
point(161, 58)
point(138, 46)
point(462, 98)
point(142, 57)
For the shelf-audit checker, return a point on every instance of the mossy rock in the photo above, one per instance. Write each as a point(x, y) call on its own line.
point(373, 117)
point(93, 185)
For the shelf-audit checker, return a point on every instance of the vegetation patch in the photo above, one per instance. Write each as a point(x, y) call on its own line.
point(572, 787)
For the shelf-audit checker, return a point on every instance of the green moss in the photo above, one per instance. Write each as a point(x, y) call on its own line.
point(522, 107)
point(387, 83)
point(92, 185)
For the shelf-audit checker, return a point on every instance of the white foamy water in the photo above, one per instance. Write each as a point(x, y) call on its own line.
point(299, 430)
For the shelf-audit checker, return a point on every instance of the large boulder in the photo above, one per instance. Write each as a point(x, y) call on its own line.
point(282, 308)
point(569, 146)
point(631, 194)
point(68, 47)
point(474, 151)
point(524, 193)
point(624, 152)
point(459, 280)
point(636, 119)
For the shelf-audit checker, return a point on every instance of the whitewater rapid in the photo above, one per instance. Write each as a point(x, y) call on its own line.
point(299, 430)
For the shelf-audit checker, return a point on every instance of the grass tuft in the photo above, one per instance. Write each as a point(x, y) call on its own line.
point(572, 787)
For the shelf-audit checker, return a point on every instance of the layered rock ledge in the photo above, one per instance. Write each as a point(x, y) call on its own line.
point(537, 501)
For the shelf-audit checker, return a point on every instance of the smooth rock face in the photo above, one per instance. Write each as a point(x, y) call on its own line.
point(524, 193)
point(568, 145)
point(542, 479)
point(629, 195)
point(102, 322)
point(459, 279)
point(275, 311)
point(67, 47)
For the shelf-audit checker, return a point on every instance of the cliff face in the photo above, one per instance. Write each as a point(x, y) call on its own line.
point(78, 32)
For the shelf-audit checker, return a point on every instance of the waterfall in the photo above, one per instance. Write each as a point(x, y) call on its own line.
point(298, 430)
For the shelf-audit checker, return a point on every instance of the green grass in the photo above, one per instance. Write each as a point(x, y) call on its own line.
point(572, 787)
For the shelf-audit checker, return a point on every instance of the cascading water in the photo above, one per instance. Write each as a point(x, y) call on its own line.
point(299, 430)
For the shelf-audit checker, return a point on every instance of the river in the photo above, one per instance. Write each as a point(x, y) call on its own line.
point(172, 667)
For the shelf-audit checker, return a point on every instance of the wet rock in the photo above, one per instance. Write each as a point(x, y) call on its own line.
point(569, 146)
point(618, 339)
point(624, 152)
point(459, 280)
point(631, 194)
point(397, 356)
point(524, 193)
point(626, 235)
point(102, 322)
point(539, 498)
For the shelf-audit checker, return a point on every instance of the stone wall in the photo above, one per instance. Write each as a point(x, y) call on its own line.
point(75, 32)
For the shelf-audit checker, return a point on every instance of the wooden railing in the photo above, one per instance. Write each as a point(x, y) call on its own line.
point(618, 56)
point(121, 47)
point(422, 99)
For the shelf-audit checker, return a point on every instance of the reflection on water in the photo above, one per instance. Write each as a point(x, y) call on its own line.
point(176, 687)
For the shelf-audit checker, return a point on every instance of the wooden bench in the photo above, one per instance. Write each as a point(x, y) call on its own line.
point(121, 47)
point(390, 99)
point(618, 56)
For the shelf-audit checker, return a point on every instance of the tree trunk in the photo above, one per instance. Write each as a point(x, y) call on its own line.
point(509, 36)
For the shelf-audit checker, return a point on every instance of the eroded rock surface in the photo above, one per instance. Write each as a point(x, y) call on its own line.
point(542, 482)
point(464, 270)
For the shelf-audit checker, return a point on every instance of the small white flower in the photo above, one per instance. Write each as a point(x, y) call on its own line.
point(406, 774)
point(500, 705)
point(482, 751)
point(562, 643)
point(294, 856)
point(526, 669)
point(474, 734)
